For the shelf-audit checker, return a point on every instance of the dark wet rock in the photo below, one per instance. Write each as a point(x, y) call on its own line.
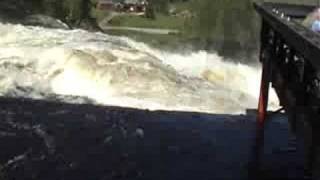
point(174, 149)
point(139, 132)
point(13, 11)
point(38, 13)
point(44, 21)
point(54, 140)
point(108, 139)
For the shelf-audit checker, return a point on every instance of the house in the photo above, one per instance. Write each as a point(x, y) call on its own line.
point(135, 5)
point(123, 5)
point(106, 5)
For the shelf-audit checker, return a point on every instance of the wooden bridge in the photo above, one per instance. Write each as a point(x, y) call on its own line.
point(290, 55)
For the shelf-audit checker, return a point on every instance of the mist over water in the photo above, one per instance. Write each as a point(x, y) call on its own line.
point(81, 67)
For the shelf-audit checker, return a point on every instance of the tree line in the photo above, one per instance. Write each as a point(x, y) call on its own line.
point(72, 12)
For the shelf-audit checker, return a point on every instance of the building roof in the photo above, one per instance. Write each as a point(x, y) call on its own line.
point(131, 1)
point(106, 1)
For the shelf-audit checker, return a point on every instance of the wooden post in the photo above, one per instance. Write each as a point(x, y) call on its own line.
point(265, 58)
point(264, 93)
point(266, 54)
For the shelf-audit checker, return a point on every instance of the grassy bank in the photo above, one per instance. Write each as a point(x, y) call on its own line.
point(161, 41)
point(99, 15)
point(207, 23)
point(222, 25)
point(161, 22)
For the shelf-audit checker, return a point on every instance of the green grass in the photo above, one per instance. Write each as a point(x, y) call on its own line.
point(99, 14)
point(181, 6)
point(161, 22)
point(162, 41)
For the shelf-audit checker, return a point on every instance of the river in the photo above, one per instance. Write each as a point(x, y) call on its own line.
point(83, 67)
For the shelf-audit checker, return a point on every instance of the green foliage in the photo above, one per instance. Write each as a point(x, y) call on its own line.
point(99, 15)
point(160, 6)
point(53, 8)
point(224, 25)
point(207, 16)
point(73, 10)
point(70, 11)
point(150, 12)
point(228, 22)
point(35, 6)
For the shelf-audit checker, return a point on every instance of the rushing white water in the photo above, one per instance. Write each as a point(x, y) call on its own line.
point(46, 63)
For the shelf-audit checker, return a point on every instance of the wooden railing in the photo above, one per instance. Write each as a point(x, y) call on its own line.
point(290, 55)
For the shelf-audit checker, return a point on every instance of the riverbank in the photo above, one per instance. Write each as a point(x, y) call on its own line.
point(143, 30)
point(161, 21)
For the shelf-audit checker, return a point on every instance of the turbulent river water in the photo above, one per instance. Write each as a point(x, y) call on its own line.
point(82, 67)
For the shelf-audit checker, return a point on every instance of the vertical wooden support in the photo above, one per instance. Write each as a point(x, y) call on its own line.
point(265, 58)
point(264, 93)
point(266, 53)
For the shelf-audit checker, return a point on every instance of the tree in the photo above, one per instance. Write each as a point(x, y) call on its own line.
point(205, 23)
point(53, 8)
point(150, 11)
point(160, 6)
point(73, 11)
point(85, 9)
point(228, 23)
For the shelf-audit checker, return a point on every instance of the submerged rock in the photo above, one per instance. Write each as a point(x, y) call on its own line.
point(45, 21)
point(139, 132)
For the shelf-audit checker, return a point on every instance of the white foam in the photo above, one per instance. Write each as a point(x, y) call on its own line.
point(119, 71)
